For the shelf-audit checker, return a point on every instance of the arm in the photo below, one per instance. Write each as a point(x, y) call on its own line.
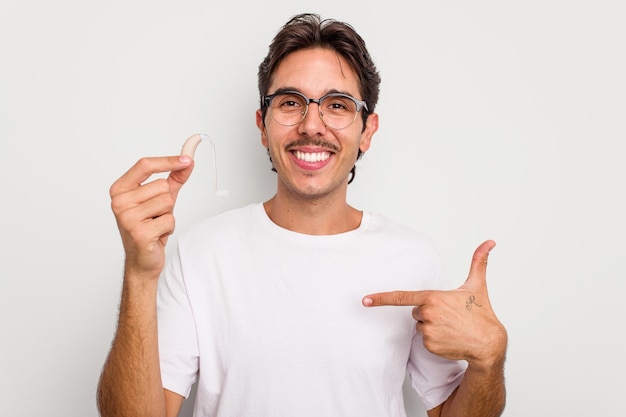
point(130, 384)
point(461, 325)
point(482, 391)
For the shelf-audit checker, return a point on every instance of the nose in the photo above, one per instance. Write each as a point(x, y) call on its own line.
point(312, 124)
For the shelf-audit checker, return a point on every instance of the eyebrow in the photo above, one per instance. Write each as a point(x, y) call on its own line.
point(333, 90)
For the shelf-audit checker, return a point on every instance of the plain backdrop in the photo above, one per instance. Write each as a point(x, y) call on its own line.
point(498, 120)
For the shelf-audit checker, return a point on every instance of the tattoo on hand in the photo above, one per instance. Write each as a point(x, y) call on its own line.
point(470, 301)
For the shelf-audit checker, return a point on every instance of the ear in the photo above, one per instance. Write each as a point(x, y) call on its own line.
point(371, 126)
point(261, 125)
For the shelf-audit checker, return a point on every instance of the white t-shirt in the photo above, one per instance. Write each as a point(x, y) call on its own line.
point(271, 323)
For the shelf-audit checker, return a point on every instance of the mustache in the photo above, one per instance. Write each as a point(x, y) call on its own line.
point(312, 142)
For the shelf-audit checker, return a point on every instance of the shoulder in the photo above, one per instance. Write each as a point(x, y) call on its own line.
point(393, 236)
point(385, 227)
point(406, 250)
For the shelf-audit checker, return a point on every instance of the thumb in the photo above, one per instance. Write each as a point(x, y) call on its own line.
point(477, 278)
point(178, 178)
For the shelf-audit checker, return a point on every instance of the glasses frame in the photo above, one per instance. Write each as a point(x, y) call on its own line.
point(360, 104)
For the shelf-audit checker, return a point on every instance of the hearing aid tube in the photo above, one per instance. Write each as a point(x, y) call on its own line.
point(189, 148)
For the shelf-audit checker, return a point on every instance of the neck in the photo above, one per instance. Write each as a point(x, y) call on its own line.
point(313, 216)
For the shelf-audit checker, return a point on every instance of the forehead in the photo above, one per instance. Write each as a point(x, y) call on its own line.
point(315, 72)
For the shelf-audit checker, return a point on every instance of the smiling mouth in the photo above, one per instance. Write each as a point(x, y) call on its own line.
point(311, 156)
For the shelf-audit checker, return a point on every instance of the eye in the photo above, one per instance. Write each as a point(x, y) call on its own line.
point(339, 104)
point(288, 102)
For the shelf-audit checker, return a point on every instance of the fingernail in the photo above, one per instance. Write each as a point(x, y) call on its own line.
point(367, 301)
point(185, 159)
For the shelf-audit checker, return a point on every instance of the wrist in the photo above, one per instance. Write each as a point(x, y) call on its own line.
point(139, 296)
point(493, 355)
point(137, 272)
point(140, 283)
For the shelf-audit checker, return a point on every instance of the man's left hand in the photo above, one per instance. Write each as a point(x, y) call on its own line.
point(456, 324)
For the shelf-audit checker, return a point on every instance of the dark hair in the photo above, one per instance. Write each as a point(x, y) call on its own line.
point(305, 31)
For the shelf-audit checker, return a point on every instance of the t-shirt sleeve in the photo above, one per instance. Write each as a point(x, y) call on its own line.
point(178, 343)
point(433, 377)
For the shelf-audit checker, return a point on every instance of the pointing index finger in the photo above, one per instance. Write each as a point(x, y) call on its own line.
point(395, 298)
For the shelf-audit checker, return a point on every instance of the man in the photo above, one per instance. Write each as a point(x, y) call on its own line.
point(266, 306)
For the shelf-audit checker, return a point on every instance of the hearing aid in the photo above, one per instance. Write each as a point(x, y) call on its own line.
point(189, 149)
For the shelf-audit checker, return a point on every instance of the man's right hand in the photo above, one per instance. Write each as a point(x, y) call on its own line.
point(130, 383)
point(145, 211)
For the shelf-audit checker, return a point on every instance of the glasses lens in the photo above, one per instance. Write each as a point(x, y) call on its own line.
point(288, 109)
point(338, 110)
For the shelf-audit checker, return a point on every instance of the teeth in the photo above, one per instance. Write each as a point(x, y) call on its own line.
point(312, 156)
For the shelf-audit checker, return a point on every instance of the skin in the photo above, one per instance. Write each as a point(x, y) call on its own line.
point(311, 199)
point(130, 384)
point(460, 324)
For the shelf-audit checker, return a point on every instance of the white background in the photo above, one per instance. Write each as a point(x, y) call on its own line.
point(501, 120)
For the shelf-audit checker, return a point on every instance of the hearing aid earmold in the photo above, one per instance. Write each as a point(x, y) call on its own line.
point(189, 148)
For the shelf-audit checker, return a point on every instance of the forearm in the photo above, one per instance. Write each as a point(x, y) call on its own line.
point(480, 394)
point(130, 384)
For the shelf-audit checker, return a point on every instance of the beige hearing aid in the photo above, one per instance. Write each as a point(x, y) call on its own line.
point(189, 148)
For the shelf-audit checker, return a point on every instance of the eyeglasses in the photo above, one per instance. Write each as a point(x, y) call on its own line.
point(337, 110)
